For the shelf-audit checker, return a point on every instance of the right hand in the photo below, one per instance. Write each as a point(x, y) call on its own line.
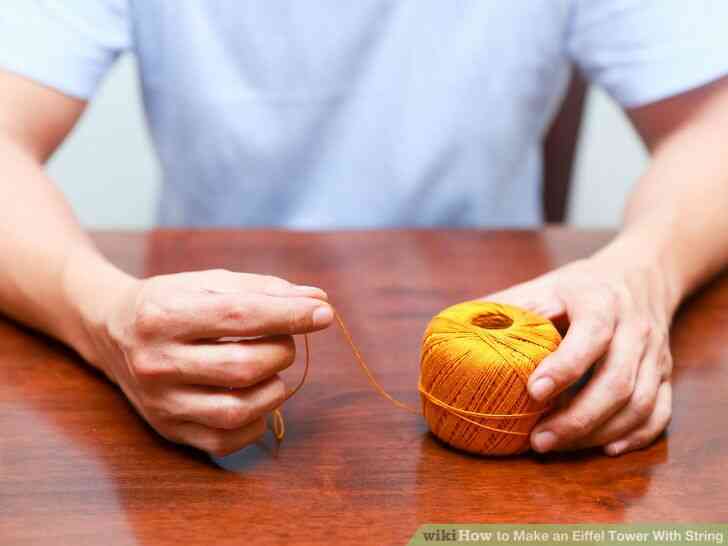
point(161, 343)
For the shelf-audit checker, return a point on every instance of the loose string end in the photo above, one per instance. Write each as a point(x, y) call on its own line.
point(278, 426)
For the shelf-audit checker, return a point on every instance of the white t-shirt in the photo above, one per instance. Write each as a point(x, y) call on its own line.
point(362, 113)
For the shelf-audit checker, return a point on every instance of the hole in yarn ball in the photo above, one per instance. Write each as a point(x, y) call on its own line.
point(492, 321)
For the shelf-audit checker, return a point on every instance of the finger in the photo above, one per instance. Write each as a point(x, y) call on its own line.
point(222, 408)
point(638, 410)
point(666, 363)
point(651, 429)
point(223, 281)
point(200, 315)
point(215, 441)
point(240, 364)
point(259, 315)
point(609, 389)
point(592, 326)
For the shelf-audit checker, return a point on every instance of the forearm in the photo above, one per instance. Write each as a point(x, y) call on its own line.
point(676, 219)
point(51, 276)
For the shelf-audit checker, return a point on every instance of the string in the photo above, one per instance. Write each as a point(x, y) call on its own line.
point(279, 429)
point(279, 425)
point(360, 360)
point(457, 412)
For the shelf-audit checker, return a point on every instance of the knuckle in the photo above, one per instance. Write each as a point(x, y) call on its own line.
point(622, 388)
point(572, 364)
point(642, 328)
point(248, 365)
point(297, 318)
point(149, 318)
point(148, 367)
point(565, 372)
point(664, 416)
point(232, 416)
point(253, 365)
point(581, 355)
point(277, 391)
point(601, 326)
point(237, 312)
point(650, 433)
point(568, 376)
point(158, 408)
point(574, 426)
point(662, 333)
point(244, 369)
point(642, 438)
point(642, 407)
point(287, 352)
point(245, 375)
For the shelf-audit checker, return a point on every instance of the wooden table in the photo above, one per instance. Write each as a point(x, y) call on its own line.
point(77, 466)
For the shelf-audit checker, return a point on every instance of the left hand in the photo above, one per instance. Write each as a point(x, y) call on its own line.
point(619, 316)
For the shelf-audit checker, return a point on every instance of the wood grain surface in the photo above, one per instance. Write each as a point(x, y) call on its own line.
point(78, 466)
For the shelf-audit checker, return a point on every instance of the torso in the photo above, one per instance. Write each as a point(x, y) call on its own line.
point(351, 114)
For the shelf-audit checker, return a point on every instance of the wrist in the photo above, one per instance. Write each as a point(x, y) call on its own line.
point(92, 288)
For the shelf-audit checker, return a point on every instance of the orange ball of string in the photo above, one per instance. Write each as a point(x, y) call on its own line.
point(475, 362)
point(476, 359)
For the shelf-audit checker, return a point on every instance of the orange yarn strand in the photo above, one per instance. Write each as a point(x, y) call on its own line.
point(463, 414)
point(278, 423)
point(360, 360)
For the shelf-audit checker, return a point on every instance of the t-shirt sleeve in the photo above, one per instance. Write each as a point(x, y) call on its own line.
point(641, 51)
point(65, 44)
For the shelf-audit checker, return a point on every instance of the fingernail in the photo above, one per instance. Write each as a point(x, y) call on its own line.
point(615, 448)
point(541, 388)
point(543, 441)
point(323, 315)
point(310, 290)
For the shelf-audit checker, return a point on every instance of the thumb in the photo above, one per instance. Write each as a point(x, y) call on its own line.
point(538, 296)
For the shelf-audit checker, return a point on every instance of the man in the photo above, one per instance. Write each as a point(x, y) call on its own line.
point(369, 113)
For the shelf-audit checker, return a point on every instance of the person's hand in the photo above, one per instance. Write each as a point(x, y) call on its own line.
point(163, 341)
point(618, 318)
